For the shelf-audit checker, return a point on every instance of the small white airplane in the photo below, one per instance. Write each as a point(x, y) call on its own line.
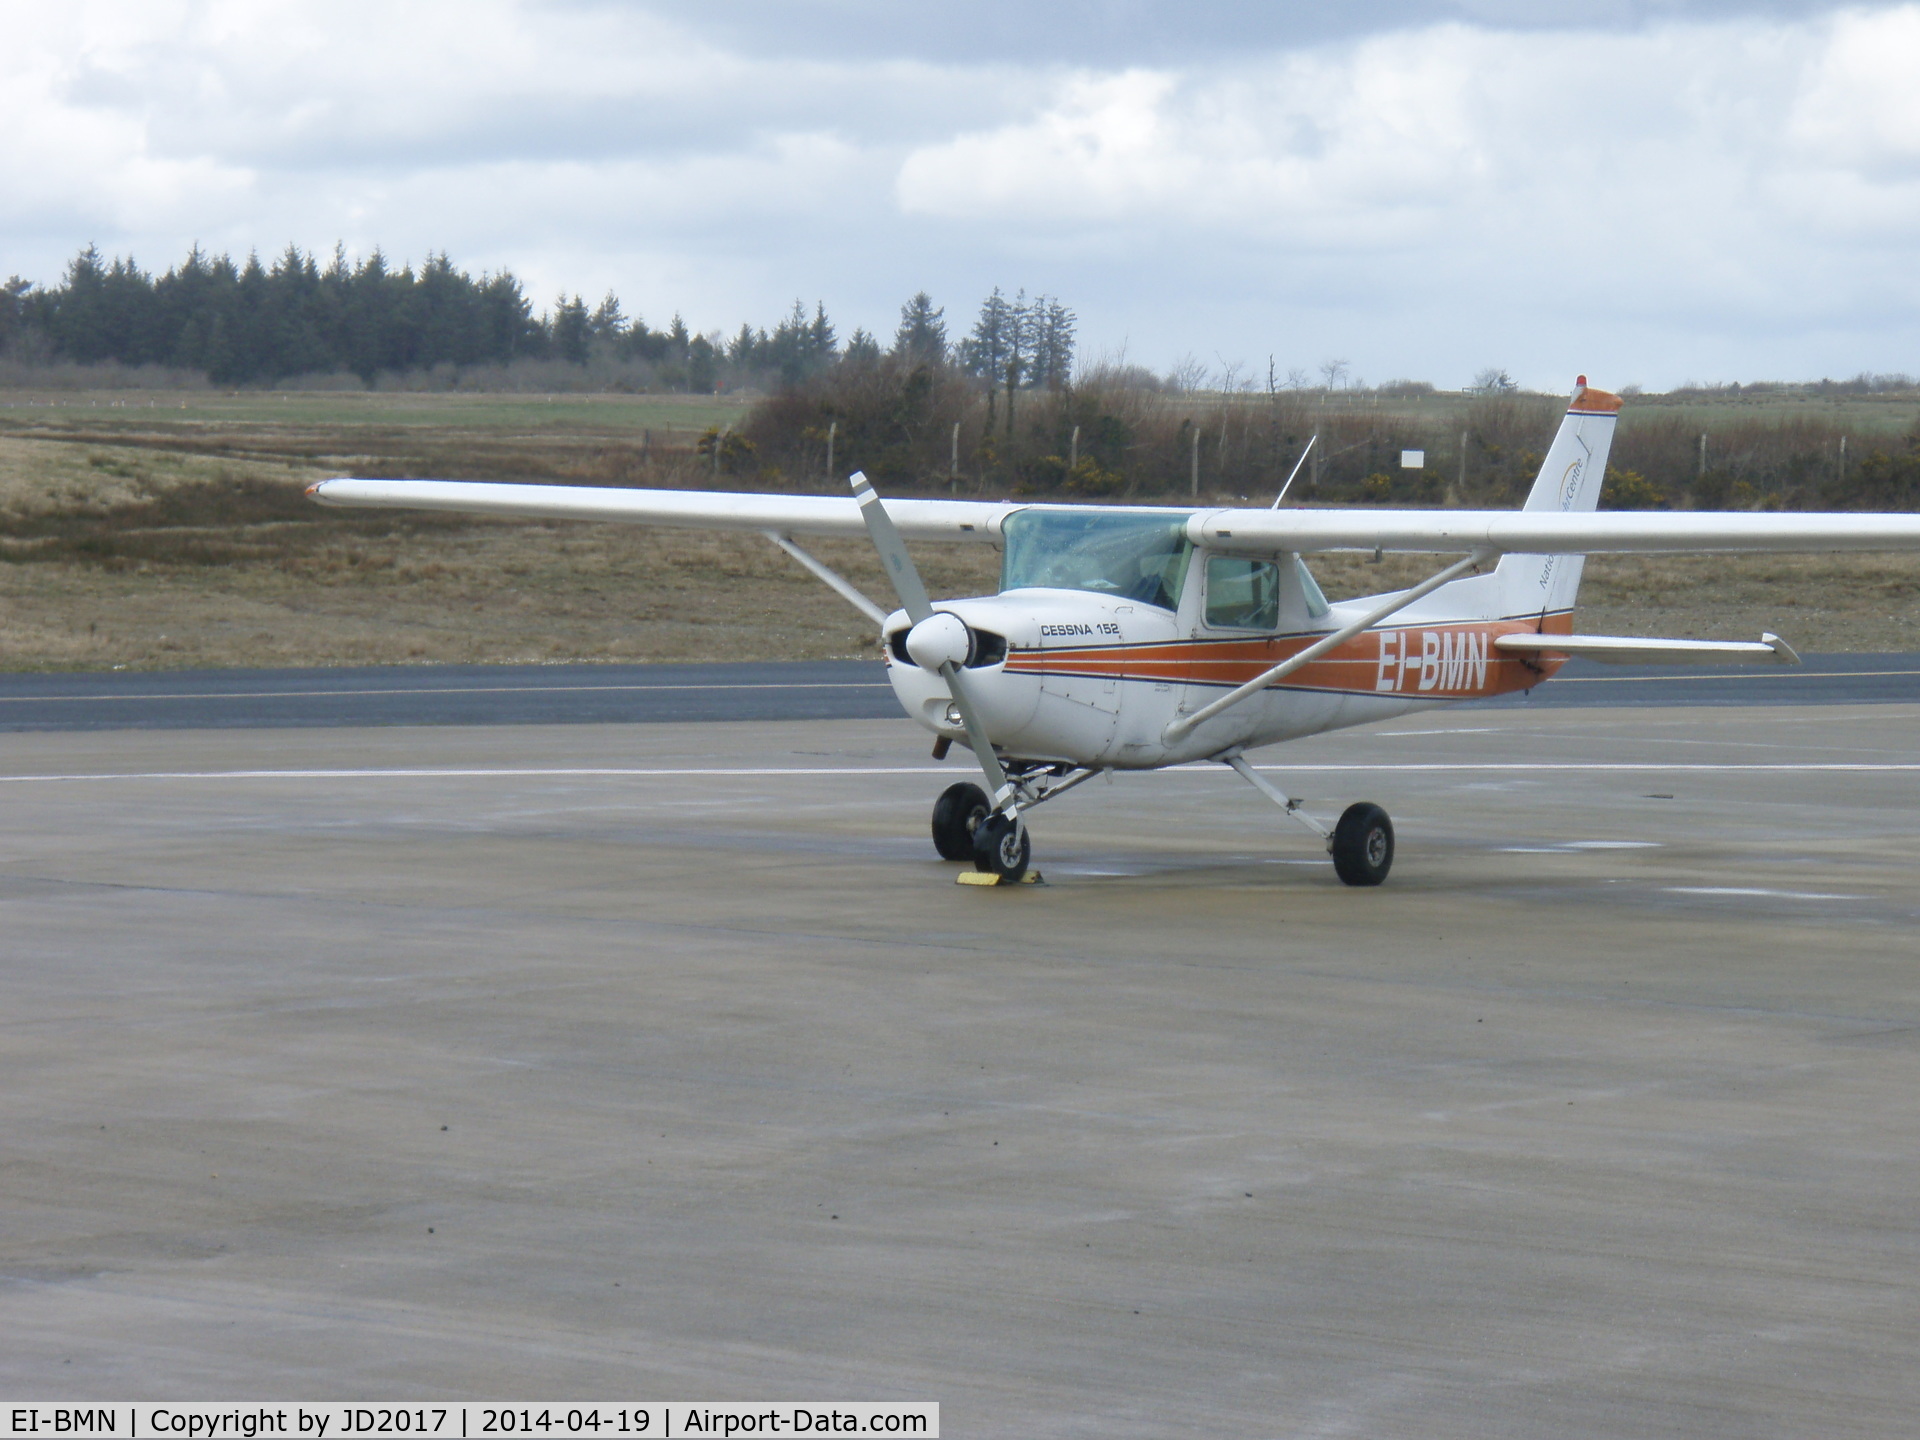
point(1133, 637)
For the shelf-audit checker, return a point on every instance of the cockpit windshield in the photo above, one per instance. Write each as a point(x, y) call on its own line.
point(1133, 556)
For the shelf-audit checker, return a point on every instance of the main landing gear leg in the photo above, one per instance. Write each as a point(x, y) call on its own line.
point(1361, 843)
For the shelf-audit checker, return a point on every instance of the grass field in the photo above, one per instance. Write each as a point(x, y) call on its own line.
point(170, 531)
point(337, 410)
point(1863, 415)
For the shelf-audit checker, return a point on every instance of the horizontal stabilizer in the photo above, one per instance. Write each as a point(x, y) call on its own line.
point(1638, 650)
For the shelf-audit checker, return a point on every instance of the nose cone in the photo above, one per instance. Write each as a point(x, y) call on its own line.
point(940, 639)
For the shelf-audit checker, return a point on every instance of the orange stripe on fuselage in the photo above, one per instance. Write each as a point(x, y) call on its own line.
point(1447, 661)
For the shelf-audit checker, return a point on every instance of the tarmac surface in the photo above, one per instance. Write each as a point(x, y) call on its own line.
point(665, 1061)
point(802, 690)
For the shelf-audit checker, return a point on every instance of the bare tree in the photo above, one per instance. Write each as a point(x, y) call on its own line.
point(1187, 375)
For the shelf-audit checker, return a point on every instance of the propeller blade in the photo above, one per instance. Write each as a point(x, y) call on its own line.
point(913, 599)
point(893, 550)
point(997, 785)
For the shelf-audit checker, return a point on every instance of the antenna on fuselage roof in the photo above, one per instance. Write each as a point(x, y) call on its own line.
point(1296, 470)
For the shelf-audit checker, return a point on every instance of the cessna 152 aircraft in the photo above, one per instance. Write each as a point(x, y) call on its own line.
point(1132, 637)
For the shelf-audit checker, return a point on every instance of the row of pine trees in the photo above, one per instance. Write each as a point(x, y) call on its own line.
point(259, 324)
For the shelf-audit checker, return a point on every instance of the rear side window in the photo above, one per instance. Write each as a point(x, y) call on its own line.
point(1242, 594)
point(1317, 606)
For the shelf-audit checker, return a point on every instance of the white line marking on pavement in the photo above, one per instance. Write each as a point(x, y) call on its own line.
point(615, 772)
point(1746, 890)
point(1569, 847)
point(1780, 674)
point(446, 690)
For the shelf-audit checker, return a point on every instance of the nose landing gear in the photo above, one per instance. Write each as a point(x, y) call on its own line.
point(1001, 847)
point(965, 828)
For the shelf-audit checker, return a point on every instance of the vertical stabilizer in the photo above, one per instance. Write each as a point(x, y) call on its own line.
point(1570, 479)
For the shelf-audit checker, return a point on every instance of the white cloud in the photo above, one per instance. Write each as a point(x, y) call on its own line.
point(1732, 197)
point(1860, 105)
point(1738, 178)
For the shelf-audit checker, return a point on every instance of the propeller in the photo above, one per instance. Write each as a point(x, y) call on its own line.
point(938, 641)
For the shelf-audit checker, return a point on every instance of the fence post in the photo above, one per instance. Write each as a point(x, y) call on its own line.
point(833, 427)
point(1700, 471)
point(953, 460)
point(1073, 451)
point(1193, 479)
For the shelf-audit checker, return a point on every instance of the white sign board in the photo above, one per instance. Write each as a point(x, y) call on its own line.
point(1413, 459)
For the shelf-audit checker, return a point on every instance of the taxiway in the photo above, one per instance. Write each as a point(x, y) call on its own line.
point(790, 690)
point(666, 1061)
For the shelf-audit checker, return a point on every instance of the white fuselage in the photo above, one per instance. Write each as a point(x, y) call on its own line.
point(1094, 680)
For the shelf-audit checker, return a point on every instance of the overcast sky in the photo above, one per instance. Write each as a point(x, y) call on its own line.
point(1649, 192)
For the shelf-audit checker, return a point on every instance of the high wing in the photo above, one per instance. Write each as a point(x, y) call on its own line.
point(1247, 532)
point(1547, 532)
point(681, 509)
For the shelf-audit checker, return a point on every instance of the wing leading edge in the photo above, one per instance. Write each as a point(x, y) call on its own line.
point(1247, 532)
point(1545, 532)
point(960, 520)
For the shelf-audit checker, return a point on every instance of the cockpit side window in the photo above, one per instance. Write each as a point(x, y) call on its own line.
point(1130, 556)
point(1242, 594)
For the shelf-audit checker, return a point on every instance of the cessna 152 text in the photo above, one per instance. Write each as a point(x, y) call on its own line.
point(1136, 637)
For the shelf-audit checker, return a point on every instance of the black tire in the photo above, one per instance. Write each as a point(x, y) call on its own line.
point(1001, 847)
point(956, 815)
point(1363, 845)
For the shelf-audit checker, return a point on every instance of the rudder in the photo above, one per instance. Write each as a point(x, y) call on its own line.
point(1570, 479)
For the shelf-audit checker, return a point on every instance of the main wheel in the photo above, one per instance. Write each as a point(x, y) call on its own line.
point(956, 815)
point(1001, 847)
point(1363, 845)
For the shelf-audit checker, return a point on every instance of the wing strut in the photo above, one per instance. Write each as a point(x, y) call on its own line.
point(1187, 724)
point(830, 577)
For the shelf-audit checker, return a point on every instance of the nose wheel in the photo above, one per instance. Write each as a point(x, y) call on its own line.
point(1001, 847)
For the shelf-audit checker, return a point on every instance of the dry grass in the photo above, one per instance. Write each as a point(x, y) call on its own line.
point(188, 561)
point(1818, 602)
point(190, 544)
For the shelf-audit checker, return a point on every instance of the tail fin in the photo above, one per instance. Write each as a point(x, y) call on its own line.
point(1570, 479)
